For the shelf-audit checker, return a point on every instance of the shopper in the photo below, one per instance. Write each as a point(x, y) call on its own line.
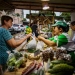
point(7, 42)
point(35, 28)
point(71, 48)
point(61, 37)
point(72, 25)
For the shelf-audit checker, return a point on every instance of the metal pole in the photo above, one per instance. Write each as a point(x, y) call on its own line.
point(30, 14)
point(53, 15)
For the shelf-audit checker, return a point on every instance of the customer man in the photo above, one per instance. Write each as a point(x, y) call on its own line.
point(71, 49)
point(7, 42)
point(72, 25)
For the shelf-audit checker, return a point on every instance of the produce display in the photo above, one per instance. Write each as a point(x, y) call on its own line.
point(29, 69)
point(15, 60)
point(34, 68)
point(48, 54)
point(62, 55)
point(62, 69)
point(59, 51)
point(55, 62)
point(62, 65)
point(32, 57)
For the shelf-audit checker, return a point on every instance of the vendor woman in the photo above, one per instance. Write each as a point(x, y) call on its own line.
point(61, 37)
point(7, 42)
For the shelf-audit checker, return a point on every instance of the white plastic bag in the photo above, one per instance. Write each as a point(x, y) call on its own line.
point(32, 44)
point(40, 45)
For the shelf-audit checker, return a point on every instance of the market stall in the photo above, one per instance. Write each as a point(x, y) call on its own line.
point(39, 60)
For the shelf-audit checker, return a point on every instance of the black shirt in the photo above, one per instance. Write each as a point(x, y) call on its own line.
point(34, 29)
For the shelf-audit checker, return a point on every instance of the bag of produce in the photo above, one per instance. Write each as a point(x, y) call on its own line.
point(32, 44)
point(40, 45)
point(11, 60)
point(11, 55)
point(71, 48)
point(48, 54)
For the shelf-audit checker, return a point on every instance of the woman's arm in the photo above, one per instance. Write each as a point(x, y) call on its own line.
point(46, 41)
point(13, 43)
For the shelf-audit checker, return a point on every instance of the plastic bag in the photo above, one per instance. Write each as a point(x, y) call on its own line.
point(11, 55)
point(32, 44)
point(40, 45)
point(71, 48)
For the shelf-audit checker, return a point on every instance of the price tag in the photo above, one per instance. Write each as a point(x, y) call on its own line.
point(36, 52)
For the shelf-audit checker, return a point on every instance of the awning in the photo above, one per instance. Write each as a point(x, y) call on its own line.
point(55, 5)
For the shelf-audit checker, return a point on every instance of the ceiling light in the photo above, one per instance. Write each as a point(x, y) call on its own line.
point(44, 0)
point(45, 7)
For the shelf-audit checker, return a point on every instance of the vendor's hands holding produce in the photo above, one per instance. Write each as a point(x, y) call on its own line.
point(47, 41)
point(40, 38)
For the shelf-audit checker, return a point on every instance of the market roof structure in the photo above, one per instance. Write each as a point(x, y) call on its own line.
point(55, 5)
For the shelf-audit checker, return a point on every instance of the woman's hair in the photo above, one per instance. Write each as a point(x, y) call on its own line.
point(72, 23)
point(65, 29)
point(6, 18)
point(31, 24)
point(35, 22)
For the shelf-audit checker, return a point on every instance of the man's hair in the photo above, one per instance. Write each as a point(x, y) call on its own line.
point(6, 18)
point(73, 23)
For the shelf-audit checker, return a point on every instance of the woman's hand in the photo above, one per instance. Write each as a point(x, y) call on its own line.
point(46, 41)
point(40, 38)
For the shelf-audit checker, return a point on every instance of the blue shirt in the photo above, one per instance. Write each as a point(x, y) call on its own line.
point(5, 35)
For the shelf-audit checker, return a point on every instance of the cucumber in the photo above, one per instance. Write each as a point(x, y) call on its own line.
point(59, 62)
point(62, 73)
point(61, 68)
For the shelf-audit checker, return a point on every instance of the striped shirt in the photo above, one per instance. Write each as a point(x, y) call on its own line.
point(5, 35)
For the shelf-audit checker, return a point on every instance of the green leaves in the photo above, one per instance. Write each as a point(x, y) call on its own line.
point(67, 16)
